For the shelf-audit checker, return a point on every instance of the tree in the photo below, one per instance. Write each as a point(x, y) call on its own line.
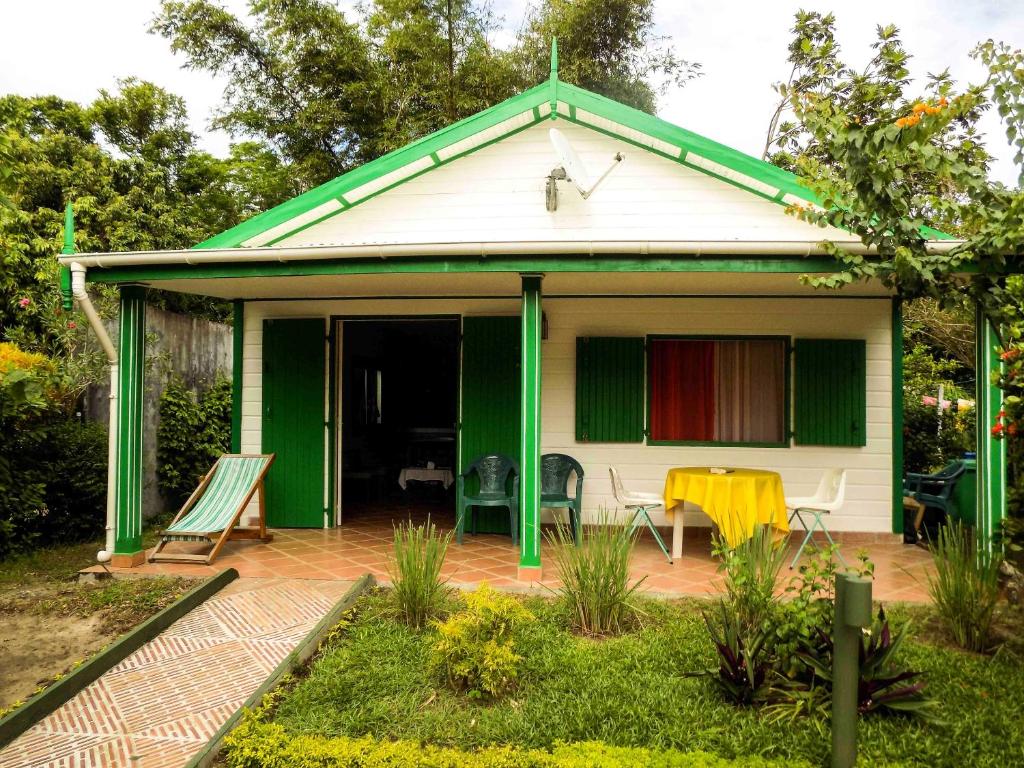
point(326, 94)
point(433, 64)
point(298, 79)
point(606, 46)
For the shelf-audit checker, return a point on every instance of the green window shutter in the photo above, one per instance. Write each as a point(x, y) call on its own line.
point(830, 392)
point(609, 390)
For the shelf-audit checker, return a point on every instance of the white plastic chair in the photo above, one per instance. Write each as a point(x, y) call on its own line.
point(641, 504)
point(827, 498)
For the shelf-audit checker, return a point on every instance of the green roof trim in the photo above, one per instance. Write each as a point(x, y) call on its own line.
point(552, 99)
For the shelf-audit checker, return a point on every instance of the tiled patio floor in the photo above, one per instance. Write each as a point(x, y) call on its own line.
point(362, 544)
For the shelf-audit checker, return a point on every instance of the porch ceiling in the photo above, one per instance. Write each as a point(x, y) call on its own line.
point(493, 284)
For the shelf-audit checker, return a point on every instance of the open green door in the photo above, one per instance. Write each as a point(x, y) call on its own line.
point(489, 421)
point(293, 421)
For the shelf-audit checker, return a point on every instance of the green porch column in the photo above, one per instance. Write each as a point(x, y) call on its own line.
point(132, 353)
point(237, 355)
point(991, 452)
point(897, 415)
point(529, 453)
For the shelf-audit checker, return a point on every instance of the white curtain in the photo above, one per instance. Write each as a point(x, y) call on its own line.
point(750, 381)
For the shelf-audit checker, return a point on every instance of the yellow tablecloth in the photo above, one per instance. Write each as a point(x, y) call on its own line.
point(734, 501)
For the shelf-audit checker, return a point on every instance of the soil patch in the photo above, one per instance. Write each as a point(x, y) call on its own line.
point(48, 627)
point(34, 648)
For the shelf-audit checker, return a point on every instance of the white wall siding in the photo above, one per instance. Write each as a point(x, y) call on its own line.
point(497, 194)
point(869, 487)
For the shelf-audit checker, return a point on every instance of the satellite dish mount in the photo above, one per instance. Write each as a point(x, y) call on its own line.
point(573, 170)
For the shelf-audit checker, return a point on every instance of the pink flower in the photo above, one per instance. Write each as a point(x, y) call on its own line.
point(72, 325)
point(24, 301)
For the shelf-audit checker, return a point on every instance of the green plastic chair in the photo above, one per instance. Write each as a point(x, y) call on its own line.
point(555, 470)
point(935, 490)
point(493, 471)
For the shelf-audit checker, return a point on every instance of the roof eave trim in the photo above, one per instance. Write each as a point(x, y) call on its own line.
point(568, 248)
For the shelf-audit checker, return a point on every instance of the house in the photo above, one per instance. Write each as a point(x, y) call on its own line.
point(463, 288)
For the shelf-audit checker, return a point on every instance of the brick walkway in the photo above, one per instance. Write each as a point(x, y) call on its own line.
point(362, 544)
point(164, 702)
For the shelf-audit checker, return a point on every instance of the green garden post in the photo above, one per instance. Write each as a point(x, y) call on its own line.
point(529, 454)
point(853, 613)
point(132, 353)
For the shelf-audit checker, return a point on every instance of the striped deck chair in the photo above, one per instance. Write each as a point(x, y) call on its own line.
point(212, 512)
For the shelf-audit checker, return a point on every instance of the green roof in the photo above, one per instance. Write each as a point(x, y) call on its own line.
point(551, 100)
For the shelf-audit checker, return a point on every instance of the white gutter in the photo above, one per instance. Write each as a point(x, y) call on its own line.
point(581, 248)
point(80, 294)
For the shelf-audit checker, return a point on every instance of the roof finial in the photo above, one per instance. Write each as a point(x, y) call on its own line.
point(69, 231)
point(553, 80)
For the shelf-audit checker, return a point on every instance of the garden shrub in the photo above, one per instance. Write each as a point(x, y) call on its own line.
point(52, 467)
point(965, 586)
point(595, 575)
point(415, 570)
point(475, 650)
point(195, 429)
point(256, 744)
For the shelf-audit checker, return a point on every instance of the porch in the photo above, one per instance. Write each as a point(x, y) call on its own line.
point(363, 544)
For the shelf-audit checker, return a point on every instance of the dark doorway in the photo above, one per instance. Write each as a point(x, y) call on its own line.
point(399, 408)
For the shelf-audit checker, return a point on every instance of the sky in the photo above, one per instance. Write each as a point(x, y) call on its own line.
point(73, 48)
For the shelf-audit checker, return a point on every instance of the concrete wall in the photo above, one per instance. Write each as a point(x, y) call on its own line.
point(193, 348)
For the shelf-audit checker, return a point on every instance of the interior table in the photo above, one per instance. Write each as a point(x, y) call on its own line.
point(425, 475)
point(735, 500)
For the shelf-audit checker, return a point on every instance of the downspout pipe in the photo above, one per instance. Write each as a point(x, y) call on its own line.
point(85, 303)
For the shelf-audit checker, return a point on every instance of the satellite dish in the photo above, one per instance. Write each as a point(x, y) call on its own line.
point(572, 169)
point(571, 162)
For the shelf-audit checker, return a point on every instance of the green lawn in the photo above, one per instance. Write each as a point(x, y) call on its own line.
point(630, 691)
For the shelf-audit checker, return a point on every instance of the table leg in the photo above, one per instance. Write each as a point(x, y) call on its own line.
point(677, 534)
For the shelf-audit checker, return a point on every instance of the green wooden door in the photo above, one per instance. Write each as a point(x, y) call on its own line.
point(490, 402)
point(293, 421)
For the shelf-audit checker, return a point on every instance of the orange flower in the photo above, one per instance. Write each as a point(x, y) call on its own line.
point(933, 110)
point(920, 107)
point(901, 123)
point(997, 430)
point(943, 102)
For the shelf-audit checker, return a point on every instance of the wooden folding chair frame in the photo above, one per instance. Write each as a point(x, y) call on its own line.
point(258, 533)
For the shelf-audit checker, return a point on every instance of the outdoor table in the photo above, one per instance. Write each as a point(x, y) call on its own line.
point(425, 475)
point(734, 501)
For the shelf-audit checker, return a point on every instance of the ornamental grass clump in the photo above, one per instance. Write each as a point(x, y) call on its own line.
point(964, 587)
point(415, 570)
point(595, 575)
point(475, 649)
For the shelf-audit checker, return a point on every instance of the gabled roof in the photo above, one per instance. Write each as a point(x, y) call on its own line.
point(552, 100)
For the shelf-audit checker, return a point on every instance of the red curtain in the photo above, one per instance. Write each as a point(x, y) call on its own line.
point(682, 375)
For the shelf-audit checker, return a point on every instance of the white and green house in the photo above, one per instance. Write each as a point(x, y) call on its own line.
point(660, 322)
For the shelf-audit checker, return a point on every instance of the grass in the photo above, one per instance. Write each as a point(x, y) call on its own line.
point(965, 587)
point(595, 575)
point(60, 563)
point(415, 570)
point(629, 691)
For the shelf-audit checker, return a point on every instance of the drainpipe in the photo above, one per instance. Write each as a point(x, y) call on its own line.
point(82, 296)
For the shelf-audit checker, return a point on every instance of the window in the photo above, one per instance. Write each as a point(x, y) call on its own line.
point(717, 390)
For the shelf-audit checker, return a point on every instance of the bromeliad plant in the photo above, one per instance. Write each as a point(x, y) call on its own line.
point(415, 570)
point(882, 687)
point(744, 673)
